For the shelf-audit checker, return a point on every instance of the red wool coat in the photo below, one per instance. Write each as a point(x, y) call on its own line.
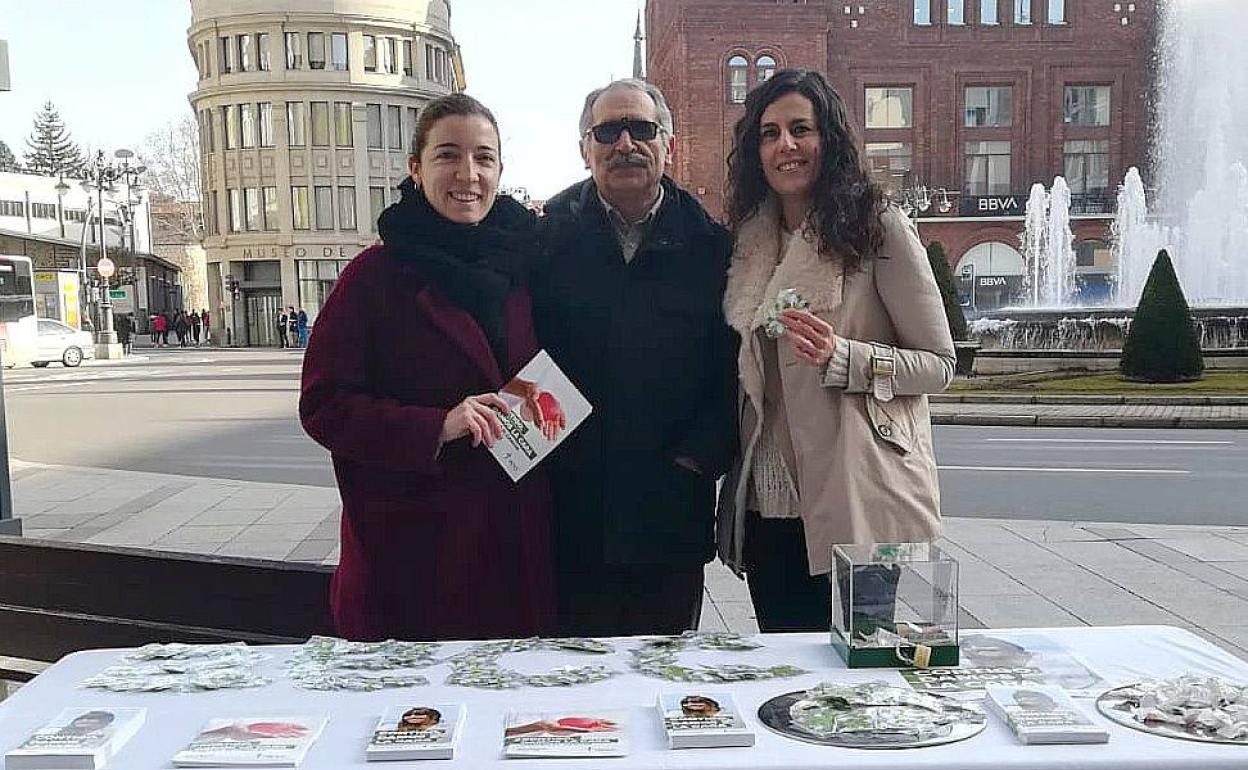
point(434, 545)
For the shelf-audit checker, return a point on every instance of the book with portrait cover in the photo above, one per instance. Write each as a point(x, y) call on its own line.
point(702, 721)
point(265, 741)
point(571, 734)
point(77, 739)
point(416, 732)
point(545, 408)
point(1043, 714)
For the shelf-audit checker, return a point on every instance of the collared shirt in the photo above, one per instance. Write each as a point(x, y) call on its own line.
point(630, 234)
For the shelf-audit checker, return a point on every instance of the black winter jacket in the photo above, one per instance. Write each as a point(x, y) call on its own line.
point(647, 344)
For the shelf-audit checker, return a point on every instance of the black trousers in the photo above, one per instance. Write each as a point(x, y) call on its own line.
point(788, 598)
point(628, 599)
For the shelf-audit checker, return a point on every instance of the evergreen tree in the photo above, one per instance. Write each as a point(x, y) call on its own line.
point(948, 290)
point(7, 161)
point(1162, 345)
point(50, 150)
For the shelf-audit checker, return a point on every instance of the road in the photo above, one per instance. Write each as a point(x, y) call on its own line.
point(232, 414)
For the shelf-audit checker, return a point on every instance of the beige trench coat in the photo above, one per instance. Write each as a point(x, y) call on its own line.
point(865, 470)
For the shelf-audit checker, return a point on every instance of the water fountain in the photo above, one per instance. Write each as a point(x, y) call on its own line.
point(1200, 213)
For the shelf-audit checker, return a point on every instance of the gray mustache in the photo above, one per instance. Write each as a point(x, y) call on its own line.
point(632, 159)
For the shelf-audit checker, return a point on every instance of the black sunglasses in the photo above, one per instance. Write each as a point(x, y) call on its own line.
point(639, 130)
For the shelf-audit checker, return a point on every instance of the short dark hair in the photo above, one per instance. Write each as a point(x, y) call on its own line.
point(846, 206)
point(423, 711)
point(445, 107)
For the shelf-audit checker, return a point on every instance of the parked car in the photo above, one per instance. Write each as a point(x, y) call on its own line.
point(58, 342)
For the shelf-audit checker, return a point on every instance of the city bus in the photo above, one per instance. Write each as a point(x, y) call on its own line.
point(19, 329)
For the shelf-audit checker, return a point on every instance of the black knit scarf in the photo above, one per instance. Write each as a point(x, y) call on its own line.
point(475, 266)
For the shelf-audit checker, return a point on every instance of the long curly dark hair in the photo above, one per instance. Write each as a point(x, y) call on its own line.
point(845, 213)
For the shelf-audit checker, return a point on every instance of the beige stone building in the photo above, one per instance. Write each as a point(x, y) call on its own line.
point(305, 109)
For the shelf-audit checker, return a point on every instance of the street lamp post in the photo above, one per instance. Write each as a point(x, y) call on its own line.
point(99, 176)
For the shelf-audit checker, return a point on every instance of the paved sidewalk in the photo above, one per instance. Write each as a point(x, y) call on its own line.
point(1090, 411)
point(1013, 573)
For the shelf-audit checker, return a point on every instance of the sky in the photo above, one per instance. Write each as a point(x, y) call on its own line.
point(119, 70)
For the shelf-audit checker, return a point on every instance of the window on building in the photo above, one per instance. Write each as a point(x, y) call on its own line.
point(988, 12)
point(346, 208)
point(236, 211)
point(376, 204)
point(251, 199)
point(389, 55)
point(229, 118)
point(43, 211)
point(987, 168)
point(764, 67)
point(296, 124)
point(270, 208)
point(320, 124)
point(370, 53)
point(923, 12)
point(246, 56)
point(317, 278)
point(342, 124)
point(210, 211)
point(374, 126)
point(409, 64)
point(413, 116)
point(989, 106)
point(394, 127)
point(205, 130)
point(957, 12)
point(1057, 11)
point(324, 208)
point(738, 79)
point(1087, 105)
point(1093, 253)
point(294, 51)
point(890, 164)
point(891, 107)
point(1022, 11)
point(316, 50)
point(249, 125)
point(266, 124)
point(1087, 167)
point(226, 54)
point(439, 60)
point(300, 215)
point(338, 51)
point(12, 209)
point(263, 58)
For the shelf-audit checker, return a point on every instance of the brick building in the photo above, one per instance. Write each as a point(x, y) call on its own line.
point(972, 101)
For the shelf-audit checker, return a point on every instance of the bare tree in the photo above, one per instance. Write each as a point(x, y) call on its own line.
point(172, 156)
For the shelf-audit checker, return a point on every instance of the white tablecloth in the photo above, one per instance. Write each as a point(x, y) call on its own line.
point(1120, 654)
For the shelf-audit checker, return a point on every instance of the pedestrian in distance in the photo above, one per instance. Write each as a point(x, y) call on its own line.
point(204, 319)
point(282, 320)
point(292, 327)
point(160, 329)
point(195, 327)
point(628, 302)
point(125, 331)
point(181, 327)
point(836, 438)
point(302, 328)
point(154, 329)
point(437, 541)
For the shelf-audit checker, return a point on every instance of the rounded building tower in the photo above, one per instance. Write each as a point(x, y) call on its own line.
point(305, 110)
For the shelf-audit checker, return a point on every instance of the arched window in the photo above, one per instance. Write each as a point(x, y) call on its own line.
point(738, 79)
point(765, 66)
point(990, 275)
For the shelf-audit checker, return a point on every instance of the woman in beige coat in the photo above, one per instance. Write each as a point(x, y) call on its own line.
point(836, 439)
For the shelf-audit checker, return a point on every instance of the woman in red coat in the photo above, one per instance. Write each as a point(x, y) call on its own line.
point(400, 382)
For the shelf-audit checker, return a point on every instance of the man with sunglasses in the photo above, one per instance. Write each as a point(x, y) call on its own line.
point(628, 302)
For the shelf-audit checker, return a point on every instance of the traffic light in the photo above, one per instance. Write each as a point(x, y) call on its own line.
point(233, 288)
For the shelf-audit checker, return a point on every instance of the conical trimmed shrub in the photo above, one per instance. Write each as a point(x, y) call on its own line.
point(1162, 345)
point(948, 290)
